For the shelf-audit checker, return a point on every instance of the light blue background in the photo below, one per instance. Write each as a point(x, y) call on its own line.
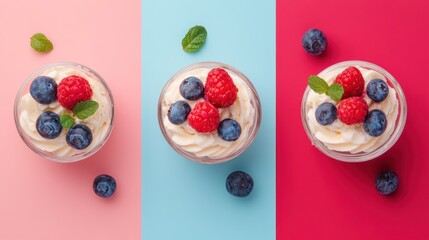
point(183, 199)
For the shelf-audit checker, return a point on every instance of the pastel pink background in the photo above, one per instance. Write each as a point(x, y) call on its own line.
point(46, 200)
point(321, 198)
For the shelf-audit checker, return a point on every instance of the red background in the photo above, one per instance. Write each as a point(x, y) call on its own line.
point(321, 198)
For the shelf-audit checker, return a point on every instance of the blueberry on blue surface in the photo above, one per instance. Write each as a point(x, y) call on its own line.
point(377, 90)
point(314, 42)
point(387, 182)
point(192, 88)
point(178, 112)
point(375, 123)
point(48, 125)
point(239, 184)
point(326, 113)
point(104, 185)
point(229, 130)
point(44, 90)
point(79, 136)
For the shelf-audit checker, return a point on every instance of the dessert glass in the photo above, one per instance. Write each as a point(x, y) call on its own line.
point(26, 111)
point(208, 147)
point(381, 146)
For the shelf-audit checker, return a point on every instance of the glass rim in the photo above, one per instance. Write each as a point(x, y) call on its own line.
point(362, 156)
point(254, 128)
point(26, 138)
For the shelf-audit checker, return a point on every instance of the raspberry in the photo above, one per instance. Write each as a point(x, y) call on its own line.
point(73, 89)
point(204, 117)
point(220, 89)
point(352, 110)
point(352, 81)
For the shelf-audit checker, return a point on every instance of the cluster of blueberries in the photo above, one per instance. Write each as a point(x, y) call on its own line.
point(44, 90)
point(192, 88)
point(375, 122)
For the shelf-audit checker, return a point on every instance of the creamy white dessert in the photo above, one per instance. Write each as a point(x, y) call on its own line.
point(351, 138)
point(99, 123)
point(209, 144)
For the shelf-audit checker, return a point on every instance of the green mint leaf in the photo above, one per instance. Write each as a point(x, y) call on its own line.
point(41, 43)
point(66, 121)
point(85, 109)
point(317, 84)
point(194, 39)
point(335, 91)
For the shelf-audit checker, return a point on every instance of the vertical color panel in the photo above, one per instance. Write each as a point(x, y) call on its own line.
point(187, 200)
point(41, 199)
point(321, 198)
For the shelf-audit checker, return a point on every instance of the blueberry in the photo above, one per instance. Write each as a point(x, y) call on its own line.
point(48, 125)
point(104, 185)
point(314, 42)
point(377, 90)
point(178, 112)
point(326, 113)
point(387, 182)
point(229, 130)
point(44, 90)
point(192, 88)
point(79, 136)
point(375, 123)
point(239, 184)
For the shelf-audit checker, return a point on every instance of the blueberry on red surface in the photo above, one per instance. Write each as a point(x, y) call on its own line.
point(48, 125)
point(192, 88)
point(79, 136)
point(44, 90)
point(387, 182)
point(229, 130)
point(239, 184)
point(314, 42)
point(326, 113)
point(375, 123)
point(104, 185)
point(377, 90)
point(178, 112)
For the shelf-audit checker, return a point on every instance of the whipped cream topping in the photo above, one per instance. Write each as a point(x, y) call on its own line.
point(209, 144)
point(351, 138)
point(99, 123)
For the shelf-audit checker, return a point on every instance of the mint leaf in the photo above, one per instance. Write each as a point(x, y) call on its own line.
point(85, 109)
point(335, 91)
point(41, 43)
point(194, 39)
point(317, 84)
point(66, 121)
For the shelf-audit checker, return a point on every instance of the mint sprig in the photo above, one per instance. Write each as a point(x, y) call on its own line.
point(85, 109)
point(319, 85)
point(335, 91)
point(194, 39)
point(41, 43)
point(66, 121)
